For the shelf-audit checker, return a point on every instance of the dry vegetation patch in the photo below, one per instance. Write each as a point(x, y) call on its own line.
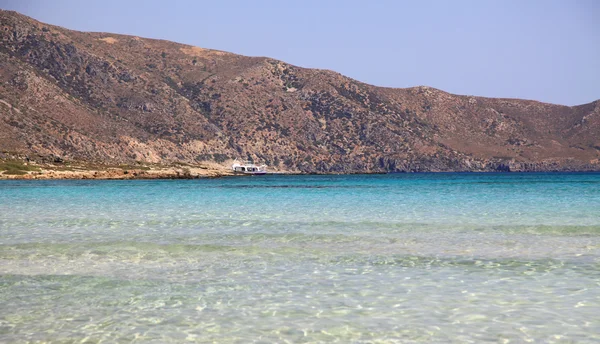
point(109, 40)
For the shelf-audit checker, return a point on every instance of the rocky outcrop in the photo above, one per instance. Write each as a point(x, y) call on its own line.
point(119, 99)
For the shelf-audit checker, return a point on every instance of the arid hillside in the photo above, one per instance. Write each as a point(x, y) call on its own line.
point(109, 98)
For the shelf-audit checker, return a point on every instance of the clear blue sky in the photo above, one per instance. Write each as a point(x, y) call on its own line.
point(545, 50)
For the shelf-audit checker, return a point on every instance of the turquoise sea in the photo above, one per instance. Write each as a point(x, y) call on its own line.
point(402, 258)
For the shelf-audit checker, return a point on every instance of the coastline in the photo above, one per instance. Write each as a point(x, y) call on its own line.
point(22, 169)
point(197, 173)
point(27, 171)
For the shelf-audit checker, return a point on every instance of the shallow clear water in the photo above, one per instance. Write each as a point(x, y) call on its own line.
point(403, 258)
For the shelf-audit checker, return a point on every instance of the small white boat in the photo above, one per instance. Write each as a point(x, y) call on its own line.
point(248, 167)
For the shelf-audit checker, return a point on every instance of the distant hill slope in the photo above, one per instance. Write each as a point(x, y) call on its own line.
point(113, 98)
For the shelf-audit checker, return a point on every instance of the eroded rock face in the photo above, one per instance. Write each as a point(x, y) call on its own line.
point(114, 98)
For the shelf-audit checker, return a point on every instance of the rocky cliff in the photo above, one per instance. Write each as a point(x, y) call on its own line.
point(120, 99)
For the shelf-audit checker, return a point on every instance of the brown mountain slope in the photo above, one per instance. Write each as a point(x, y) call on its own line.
point(119, 99)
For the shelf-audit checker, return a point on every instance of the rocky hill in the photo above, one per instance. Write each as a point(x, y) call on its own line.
point(109, 98)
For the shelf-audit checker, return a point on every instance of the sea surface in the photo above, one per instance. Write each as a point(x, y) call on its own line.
point(402, 258)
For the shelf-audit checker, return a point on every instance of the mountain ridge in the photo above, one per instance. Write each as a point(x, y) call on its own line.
point(122, 99)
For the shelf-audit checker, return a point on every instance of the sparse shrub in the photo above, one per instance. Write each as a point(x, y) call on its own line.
point(288, 162)
point(203, 157)
point(14, 167)
point(220, 157)
point(217, 157)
